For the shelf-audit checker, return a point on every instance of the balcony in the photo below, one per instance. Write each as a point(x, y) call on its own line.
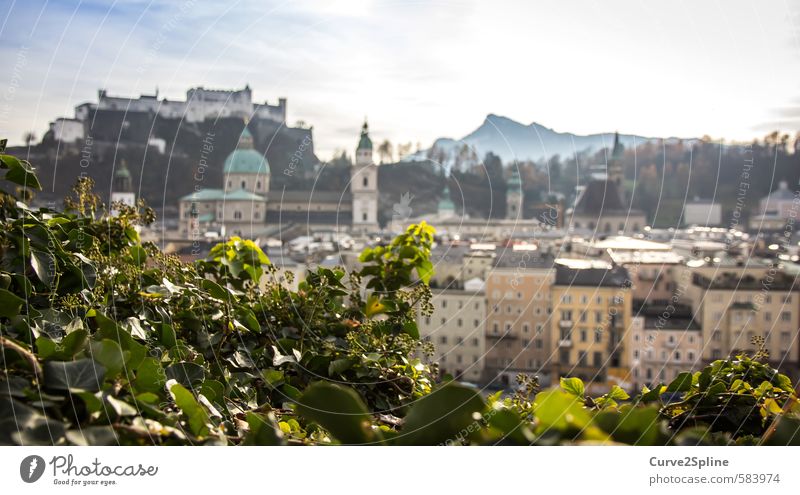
point(565, 323)
point(671, 343)
point(565, 343)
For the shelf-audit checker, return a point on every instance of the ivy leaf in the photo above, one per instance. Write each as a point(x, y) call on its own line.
point(109, 354)
point(44, 265)
point(84, 374)
point(186, 373)
point(425, 271)
point(196, 415)
point(264, 430)
point(19, 172)
point(339, 410)
point(681, 383)
point(573, 385)
point(442, 416)
point(617, 393)
point(10, 304)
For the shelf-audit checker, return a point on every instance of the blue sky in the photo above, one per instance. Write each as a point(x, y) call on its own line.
point(419, 70)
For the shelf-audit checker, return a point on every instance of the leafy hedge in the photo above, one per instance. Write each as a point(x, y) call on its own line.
point(106, 340)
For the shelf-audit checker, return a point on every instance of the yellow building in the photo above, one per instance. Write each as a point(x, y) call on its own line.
point(591, 305)
point(732, 309)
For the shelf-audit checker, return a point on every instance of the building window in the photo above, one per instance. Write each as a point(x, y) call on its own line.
point(366, 182)
point(475, 342)
point(258, 185)
point(476, 323)
point(364, 216)
point(598, 359)
point(237, 215)
point(459, 323)
point(786, 316)
point(526, 328)
point(257, 215)
point(443, 339)
point(244, 184)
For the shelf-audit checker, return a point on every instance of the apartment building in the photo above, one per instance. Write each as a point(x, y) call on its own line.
point(457, 331)
point(518, 302)
point(654, 274)
point(664, 342)
point(733, 308)
point(591, 315)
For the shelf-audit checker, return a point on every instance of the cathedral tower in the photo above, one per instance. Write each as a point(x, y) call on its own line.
point(364, 185)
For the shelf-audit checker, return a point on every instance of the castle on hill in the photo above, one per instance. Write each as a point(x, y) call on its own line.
point(200, 104)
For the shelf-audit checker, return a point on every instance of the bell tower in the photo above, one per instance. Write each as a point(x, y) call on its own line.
point(364, 185)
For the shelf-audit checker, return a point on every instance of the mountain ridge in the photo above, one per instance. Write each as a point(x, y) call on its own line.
point(512, 141)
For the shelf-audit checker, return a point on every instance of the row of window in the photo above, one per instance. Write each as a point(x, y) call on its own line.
point(676, 356)
point(443, 304)
point(459, 322)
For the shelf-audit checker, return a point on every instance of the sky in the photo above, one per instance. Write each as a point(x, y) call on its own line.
point(419, 70)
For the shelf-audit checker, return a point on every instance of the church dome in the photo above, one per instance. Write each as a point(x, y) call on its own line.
point(244, 159)
point(365, 143)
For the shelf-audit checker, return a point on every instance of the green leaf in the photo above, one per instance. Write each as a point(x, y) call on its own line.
point(10, 304)
point(410, 328)
point(150, 376)
point(44, 265)
point(681, 383)
point(442, 416)
point(264, 430)
point(19, 172)
point(425, 271)
point(617, 393)
point(560, 411)
point(168, 337)
point(93, 435)
point(109, 354)
point(573, 385)
point(631, 425)
point(339, 410)
point(73, 343)
point(82, 374)
point(197, 418)
point(338, 366)
point(186, 373)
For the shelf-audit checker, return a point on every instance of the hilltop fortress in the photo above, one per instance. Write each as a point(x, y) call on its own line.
point(200, 104)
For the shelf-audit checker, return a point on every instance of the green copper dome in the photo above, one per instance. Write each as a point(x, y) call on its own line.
point(244, 159)
point(445, 203)
point(122, 171)
point(514, 182)
point(365, 143)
